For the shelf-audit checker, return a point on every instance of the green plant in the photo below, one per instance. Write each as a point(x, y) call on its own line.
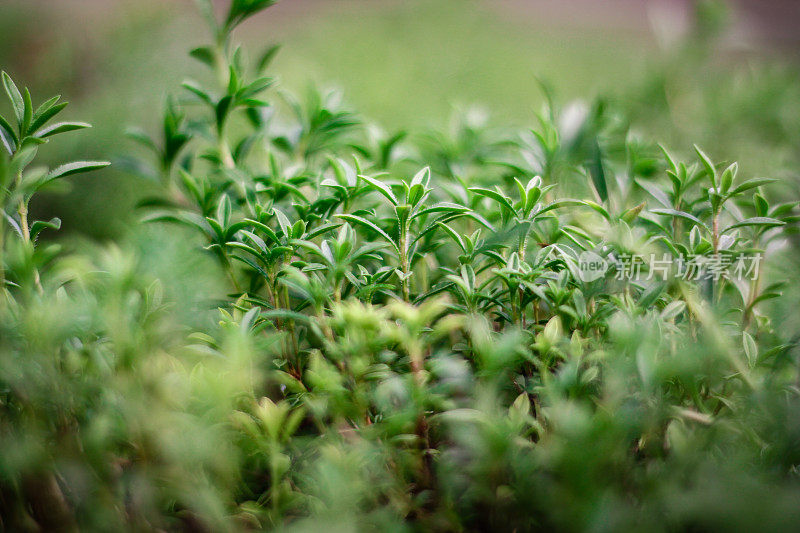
point(18, 183)
point(407, 349)
point(450, 377)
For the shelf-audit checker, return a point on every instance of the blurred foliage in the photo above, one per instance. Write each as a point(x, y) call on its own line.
point(324, 325)
point(737, 104)
point(92, 50)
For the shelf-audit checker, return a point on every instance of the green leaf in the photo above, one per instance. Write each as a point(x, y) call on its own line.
point(16, 99)
point(416, 194)
point(76, 167)
point(221, 111)
point(751, 184)
point(224, 210)
point(371, 225)
point(755, 221)
point(381, 188)
point(455, 236)
point(478, 218)
point(442, 207)
point(422, 177)
point(313, 248)
point(727, 178)
point(46, 112)
point(194, 87)
point(7, 136)
point(61, 127)
point(761, 205)
point(267, 57)
point(298, 229)
point(204, 54)
point(765, 296)
point(494, 195)
point(141, 137)
point(264, 228)
point(190, 219)
point(655, 191)
point(38, 226)
point(233, 79)
point(191, 185)
point(26, 152)
point(558, 204)
point(708, 165)
point(672, 310)
point(597, 207)
point(255, 88)
point(27, 110)
point(345, 174)
point(241, 246)
point(316, 232)
point(681, 214)
point(750, 349)
point(523, 192)
point(669, 158)
point(597, 171)
point(283, 222)
point(216, 227)
point(46, 106)
point(240, 10)
point(630, 215)
point(286, 314)
point(258, 241)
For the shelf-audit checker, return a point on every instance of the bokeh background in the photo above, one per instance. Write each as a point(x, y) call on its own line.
point(723, 74)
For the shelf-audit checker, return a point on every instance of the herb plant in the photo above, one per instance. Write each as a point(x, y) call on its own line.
point(409, 337)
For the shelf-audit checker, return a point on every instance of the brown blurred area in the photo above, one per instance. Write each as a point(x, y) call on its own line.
point(759, 23)
point(773, 22)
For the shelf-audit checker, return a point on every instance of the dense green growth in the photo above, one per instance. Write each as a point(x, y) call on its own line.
point(408, 339)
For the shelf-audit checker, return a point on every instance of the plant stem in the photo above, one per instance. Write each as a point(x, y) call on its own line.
point(225, 152)
point(23, 220)
point(22, 210)
point(2, 264)
point(223, 77)
point(290, 326)
point(337, 292)
point(748, 308)
point(404, 267)
point(715, 232)
point(229, 270)
point(715, 285)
